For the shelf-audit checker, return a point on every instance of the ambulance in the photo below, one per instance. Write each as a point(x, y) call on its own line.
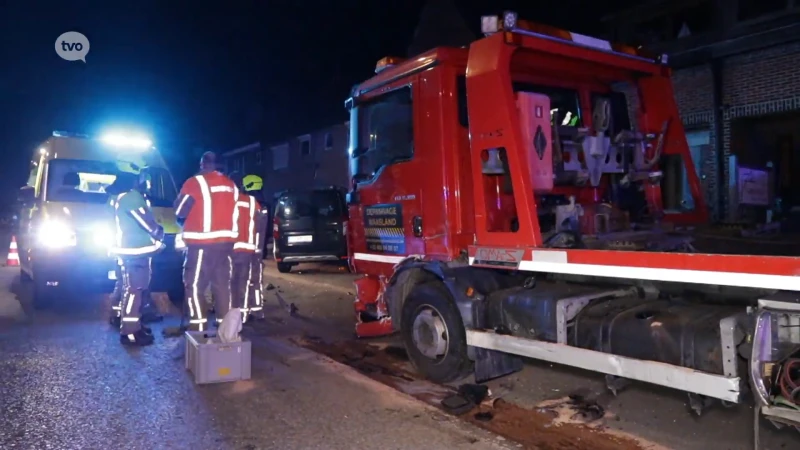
point(66, 222)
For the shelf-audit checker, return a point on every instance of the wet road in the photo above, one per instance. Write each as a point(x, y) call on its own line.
point(68, 384)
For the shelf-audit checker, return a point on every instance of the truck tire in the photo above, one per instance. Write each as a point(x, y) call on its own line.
point(433, 334)
point(284, 267)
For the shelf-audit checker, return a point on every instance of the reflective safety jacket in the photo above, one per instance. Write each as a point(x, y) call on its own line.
point(207, 203)
point(251, 224)
point(137, 234)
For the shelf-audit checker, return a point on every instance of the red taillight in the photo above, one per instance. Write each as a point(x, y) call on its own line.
point(276, 232)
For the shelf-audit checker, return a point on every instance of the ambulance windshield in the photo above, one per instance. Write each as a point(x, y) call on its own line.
point(87, 181)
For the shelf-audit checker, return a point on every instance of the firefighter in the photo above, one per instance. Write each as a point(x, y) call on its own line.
point(207, 207)
point(139, 237)
point(248, 256)
point(148, 310)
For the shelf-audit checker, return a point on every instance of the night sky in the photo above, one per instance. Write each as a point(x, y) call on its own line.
point(208, 74)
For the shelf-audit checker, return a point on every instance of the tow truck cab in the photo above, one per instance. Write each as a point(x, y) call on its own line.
point(534, 195)
point(67, 225)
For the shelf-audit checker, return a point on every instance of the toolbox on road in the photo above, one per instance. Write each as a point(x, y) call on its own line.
point(212, 361)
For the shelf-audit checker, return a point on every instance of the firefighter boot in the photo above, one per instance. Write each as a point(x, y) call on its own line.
point(138, 339)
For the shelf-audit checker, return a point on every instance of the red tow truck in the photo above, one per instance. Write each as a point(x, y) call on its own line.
point(522, 198)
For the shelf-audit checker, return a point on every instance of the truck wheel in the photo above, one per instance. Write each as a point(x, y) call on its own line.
point(434, 335)
point(284, 267)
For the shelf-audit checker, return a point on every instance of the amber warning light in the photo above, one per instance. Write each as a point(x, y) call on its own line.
point(385, 63)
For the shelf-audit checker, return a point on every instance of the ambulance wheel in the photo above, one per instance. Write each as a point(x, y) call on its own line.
point(434, 335)
point(284, 267)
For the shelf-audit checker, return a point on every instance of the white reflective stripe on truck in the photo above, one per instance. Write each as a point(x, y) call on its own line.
point(682, 378)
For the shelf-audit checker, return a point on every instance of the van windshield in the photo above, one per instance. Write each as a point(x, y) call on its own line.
point(86, 181)
point(322, 204)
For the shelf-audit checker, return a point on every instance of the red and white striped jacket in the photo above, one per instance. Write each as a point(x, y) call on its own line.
point(207, 202)
point(249, 225)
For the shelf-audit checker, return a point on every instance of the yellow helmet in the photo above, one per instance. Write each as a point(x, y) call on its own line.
point(252, 183)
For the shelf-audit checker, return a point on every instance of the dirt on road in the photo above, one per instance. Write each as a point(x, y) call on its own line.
point(572, 423)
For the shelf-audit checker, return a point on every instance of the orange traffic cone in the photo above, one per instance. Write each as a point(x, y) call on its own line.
point(13, 256)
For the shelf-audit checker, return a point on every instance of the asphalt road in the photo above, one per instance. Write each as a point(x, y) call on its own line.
point(67, 383)
point(655, 414)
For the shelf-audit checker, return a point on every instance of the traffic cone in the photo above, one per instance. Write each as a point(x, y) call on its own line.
point(13, 256)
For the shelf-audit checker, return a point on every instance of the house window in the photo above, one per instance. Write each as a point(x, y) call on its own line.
point(258, 158)
point(328, 141)
point(699, 146)
point(280, 157)
point(305, 146)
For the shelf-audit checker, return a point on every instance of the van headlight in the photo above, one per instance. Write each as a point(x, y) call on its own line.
point(56, 234)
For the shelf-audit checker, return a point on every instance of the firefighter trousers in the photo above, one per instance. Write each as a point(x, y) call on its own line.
point(135, 288)
point(257, 268)
point(119, 289)
point(205, 265)
point(247, 271)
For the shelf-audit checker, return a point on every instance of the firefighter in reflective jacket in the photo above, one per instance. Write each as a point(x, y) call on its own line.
point(139, 237)
point(247, 251)
point(207, 207)
point(148, 310)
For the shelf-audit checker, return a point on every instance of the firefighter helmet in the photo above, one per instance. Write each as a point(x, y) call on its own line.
point(252, 183)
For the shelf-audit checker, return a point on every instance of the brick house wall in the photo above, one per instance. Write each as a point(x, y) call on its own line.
point(754, 84)
point(325, 164)
point(316, 159)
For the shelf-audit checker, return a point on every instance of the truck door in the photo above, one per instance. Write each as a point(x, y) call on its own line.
point(385, 202)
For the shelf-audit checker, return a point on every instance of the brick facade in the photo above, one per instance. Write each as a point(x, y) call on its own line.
point(754, 84)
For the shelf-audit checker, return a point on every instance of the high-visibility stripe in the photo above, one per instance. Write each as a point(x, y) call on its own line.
point(242, 204)
point(141, 220)
point(209, 235)
point(136, 250)
point(195, 293)
point(244, 245)
point(388, 259)
point(251, 234)
point(236, 212)
point(183, 201)
point(230, 277)
point(206, 193)
point(216, 189)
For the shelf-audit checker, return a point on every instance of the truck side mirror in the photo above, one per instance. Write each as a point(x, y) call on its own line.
point(26, 195)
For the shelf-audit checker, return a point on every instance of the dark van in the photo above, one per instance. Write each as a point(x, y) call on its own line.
point(309, 226)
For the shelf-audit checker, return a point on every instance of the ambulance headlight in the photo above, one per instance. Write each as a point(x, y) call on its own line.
point(56, 234)
point(179, 243)
point(103, 236)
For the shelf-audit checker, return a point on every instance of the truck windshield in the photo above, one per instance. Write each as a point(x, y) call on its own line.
point(85, 181)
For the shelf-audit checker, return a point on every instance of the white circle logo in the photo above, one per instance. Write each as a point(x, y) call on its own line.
point(72, 46)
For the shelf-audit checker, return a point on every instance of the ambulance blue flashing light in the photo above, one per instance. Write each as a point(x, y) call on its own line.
point(126, 141)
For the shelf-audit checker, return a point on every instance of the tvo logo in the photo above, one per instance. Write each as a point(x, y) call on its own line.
point(72, 46)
